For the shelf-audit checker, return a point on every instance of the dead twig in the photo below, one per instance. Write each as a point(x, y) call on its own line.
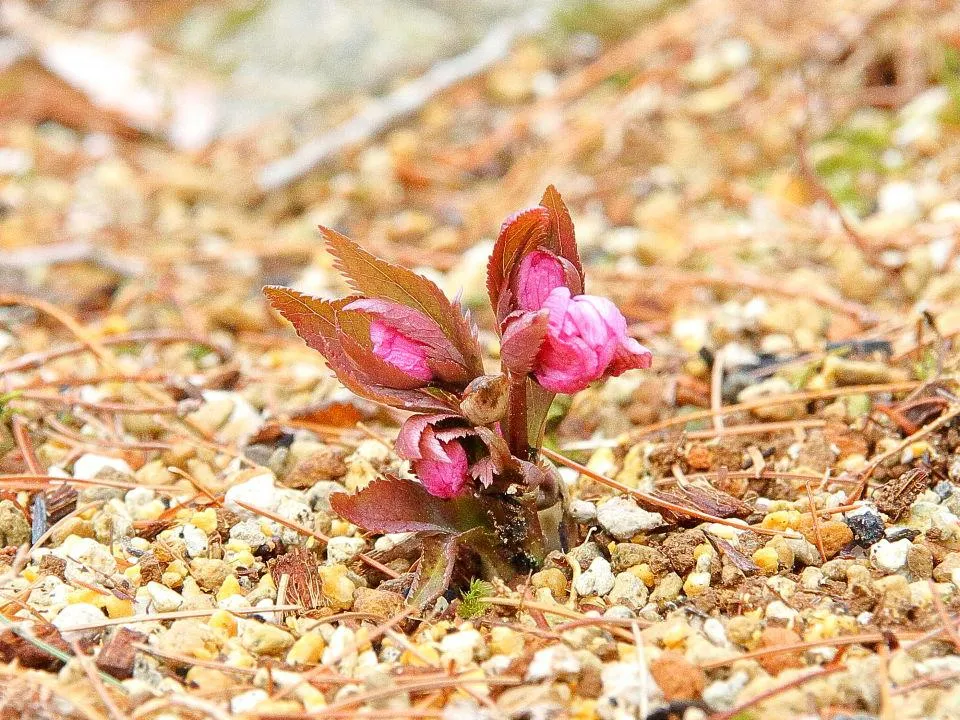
point(402, 102)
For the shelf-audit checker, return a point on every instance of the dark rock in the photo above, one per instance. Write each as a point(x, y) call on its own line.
point(867, 528)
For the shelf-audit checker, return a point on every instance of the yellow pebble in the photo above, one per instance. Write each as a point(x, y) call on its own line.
point(675, 635)
point(117, 607)
point(240, 658)
point(505, 641)
point(230, 587)
point(234, 545)
point(206, 520)
point(30, 573)
point(85, 595)
point(782, 520)
point(583, 709)
point(702, 549)
point(266, 583)
point(339, 528)
point(150, 510)
point(132, 574)
point(696, 583)
point(307, 649)
point(644, 574)
point(426, 655)
point(767, 559)
point(224, 622)
point(175, 573)
point(311, 698)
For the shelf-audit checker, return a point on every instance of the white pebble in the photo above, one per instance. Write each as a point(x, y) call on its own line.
point(163, 598)
point(623, 518)
point(76, 615)
point(87, 466)
point(551, 662)
point(889, 556)
point(596, 580)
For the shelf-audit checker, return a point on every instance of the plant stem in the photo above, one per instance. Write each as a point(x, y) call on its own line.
point(517, 418)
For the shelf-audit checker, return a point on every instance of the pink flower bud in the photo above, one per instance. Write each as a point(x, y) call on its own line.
point(445, 479)
point(539, 273)
point(586, 339)
point(403, 352)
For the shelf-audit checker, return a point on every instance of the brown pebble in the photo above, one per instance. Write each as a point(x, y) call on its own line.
point(552, 578)
point(381, 603)
point(52, 565)
point(14, 647)
point(836, 534)
point(679, 547)
point(920, 561)
point(699, 457)
point(117, 656)
point(325, 464)
point(677, 677)
point(150, 570)
point(775, 663)
point(895, 497)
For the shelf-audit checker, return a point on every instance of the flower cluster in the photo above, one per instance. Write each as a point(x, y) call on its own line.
point(471, 438)
point(402, 343)
point(586, 335)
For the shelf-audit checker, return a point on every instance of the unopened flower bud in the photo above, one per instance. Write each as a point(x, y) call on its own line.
point(485, 399)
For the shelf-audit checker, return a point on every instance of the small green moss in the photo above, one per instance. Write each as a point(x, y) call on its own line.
point(472, 600)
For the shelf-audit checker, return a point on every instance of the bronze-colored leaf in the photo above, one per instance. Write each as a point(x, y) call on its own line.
point(396, 505)
point(317, 322)
point(377, 278)
point(522, 338)
point(520, 234)
point(744, 564)
point(715, 502)
point(561, 239)
point(432, 577)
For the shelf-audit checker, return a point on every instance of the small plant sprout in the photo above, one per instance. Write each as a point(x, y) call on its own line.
point(473, 440)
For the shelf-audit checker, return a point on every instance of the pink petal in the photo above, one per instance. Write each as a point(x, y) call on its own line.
point(445, 479)
point(400, 351)
point(539, 273)
point(586, 339)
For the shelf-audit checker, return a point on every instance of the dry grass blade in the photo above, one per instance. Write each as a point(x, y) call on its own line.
point(648, 499)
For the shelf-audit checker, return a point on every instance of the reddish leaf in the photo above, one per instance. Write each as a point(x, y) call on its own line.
point(497, 447)
point(712, 501)
point(379, 279)
point(523, 335)
point(744, 564)
point(483, 471)
point(519, 235)
point(561, 240)
point(434, 569)
point(395, 505)
point(317, 322)
point(408, 443)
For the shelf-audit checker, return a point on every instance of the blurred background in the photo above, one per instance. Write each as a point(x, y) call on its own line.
point(772, 175)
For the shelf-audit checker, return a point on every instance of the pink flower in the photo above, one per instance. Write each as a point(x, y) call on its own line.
point(586, 339)
point(401, 351)
point(539, 273)
point(445, 479)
